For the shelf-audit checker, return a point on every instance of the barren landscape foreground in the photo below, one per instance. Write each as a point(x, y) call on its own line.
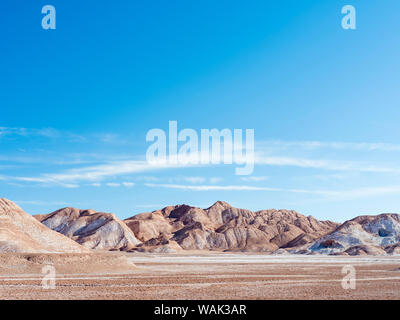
point(198, 275)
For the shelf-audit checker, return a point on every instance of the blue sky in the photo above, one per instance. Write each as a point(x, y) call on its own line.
point(324, 103)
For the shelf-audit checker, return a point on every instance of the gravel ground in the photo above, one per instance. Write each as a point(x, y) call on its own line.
point(217, 276)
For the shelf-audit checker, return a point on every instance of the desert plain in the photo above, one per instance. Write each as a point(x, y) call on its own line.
point(199, 275)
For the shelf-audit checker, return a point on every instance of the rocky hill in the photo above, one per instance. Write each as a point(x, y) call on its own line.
point(91, 229)
point(223, 227)
point(363, 235)
point(21, 233)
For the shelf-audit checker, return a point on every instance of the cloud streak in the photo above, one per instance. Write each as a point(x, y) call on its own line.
point(310, 145)
point(210, 187)
point(332, 195)
point(99, 172)
point(331, 165)
point(118, 166)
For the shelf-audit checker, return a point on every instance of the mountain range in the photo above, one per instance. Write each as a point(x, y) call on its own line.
point(220, 227)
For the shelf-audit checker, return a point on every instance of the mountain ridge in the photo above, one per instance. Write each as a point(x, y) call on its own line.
point(220, 227)
point(223, 227)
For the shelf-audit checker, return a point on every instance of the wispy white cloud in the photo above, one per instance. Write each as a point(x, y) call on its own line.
point(194, 180)
point(122, 167)
point(324, 164)
point(50, 133)
point(309, 145)
point(210, 187)
point(365, 192)
point(215, 179)
point(147, 178)
point(254, 178)
point(188, 179)
point(128, 184)
point(46, 181)
point(98, 172)
point(69, 178)
point(344, 194)
point(333, 176)
point(41, 203)
point(44, 132)
point(237, 188)
point(113, 184)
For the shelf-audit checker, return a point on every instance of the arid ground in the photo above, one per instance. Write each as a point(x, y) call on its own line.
point(195, 275)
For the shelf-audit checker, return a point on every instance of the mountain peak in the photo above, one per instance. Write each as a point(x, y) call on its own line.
point(7, 206)
point(219, 203)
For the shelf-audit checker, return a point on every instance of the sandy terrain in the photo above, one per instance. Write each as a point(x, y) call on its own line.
point(210, 276)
